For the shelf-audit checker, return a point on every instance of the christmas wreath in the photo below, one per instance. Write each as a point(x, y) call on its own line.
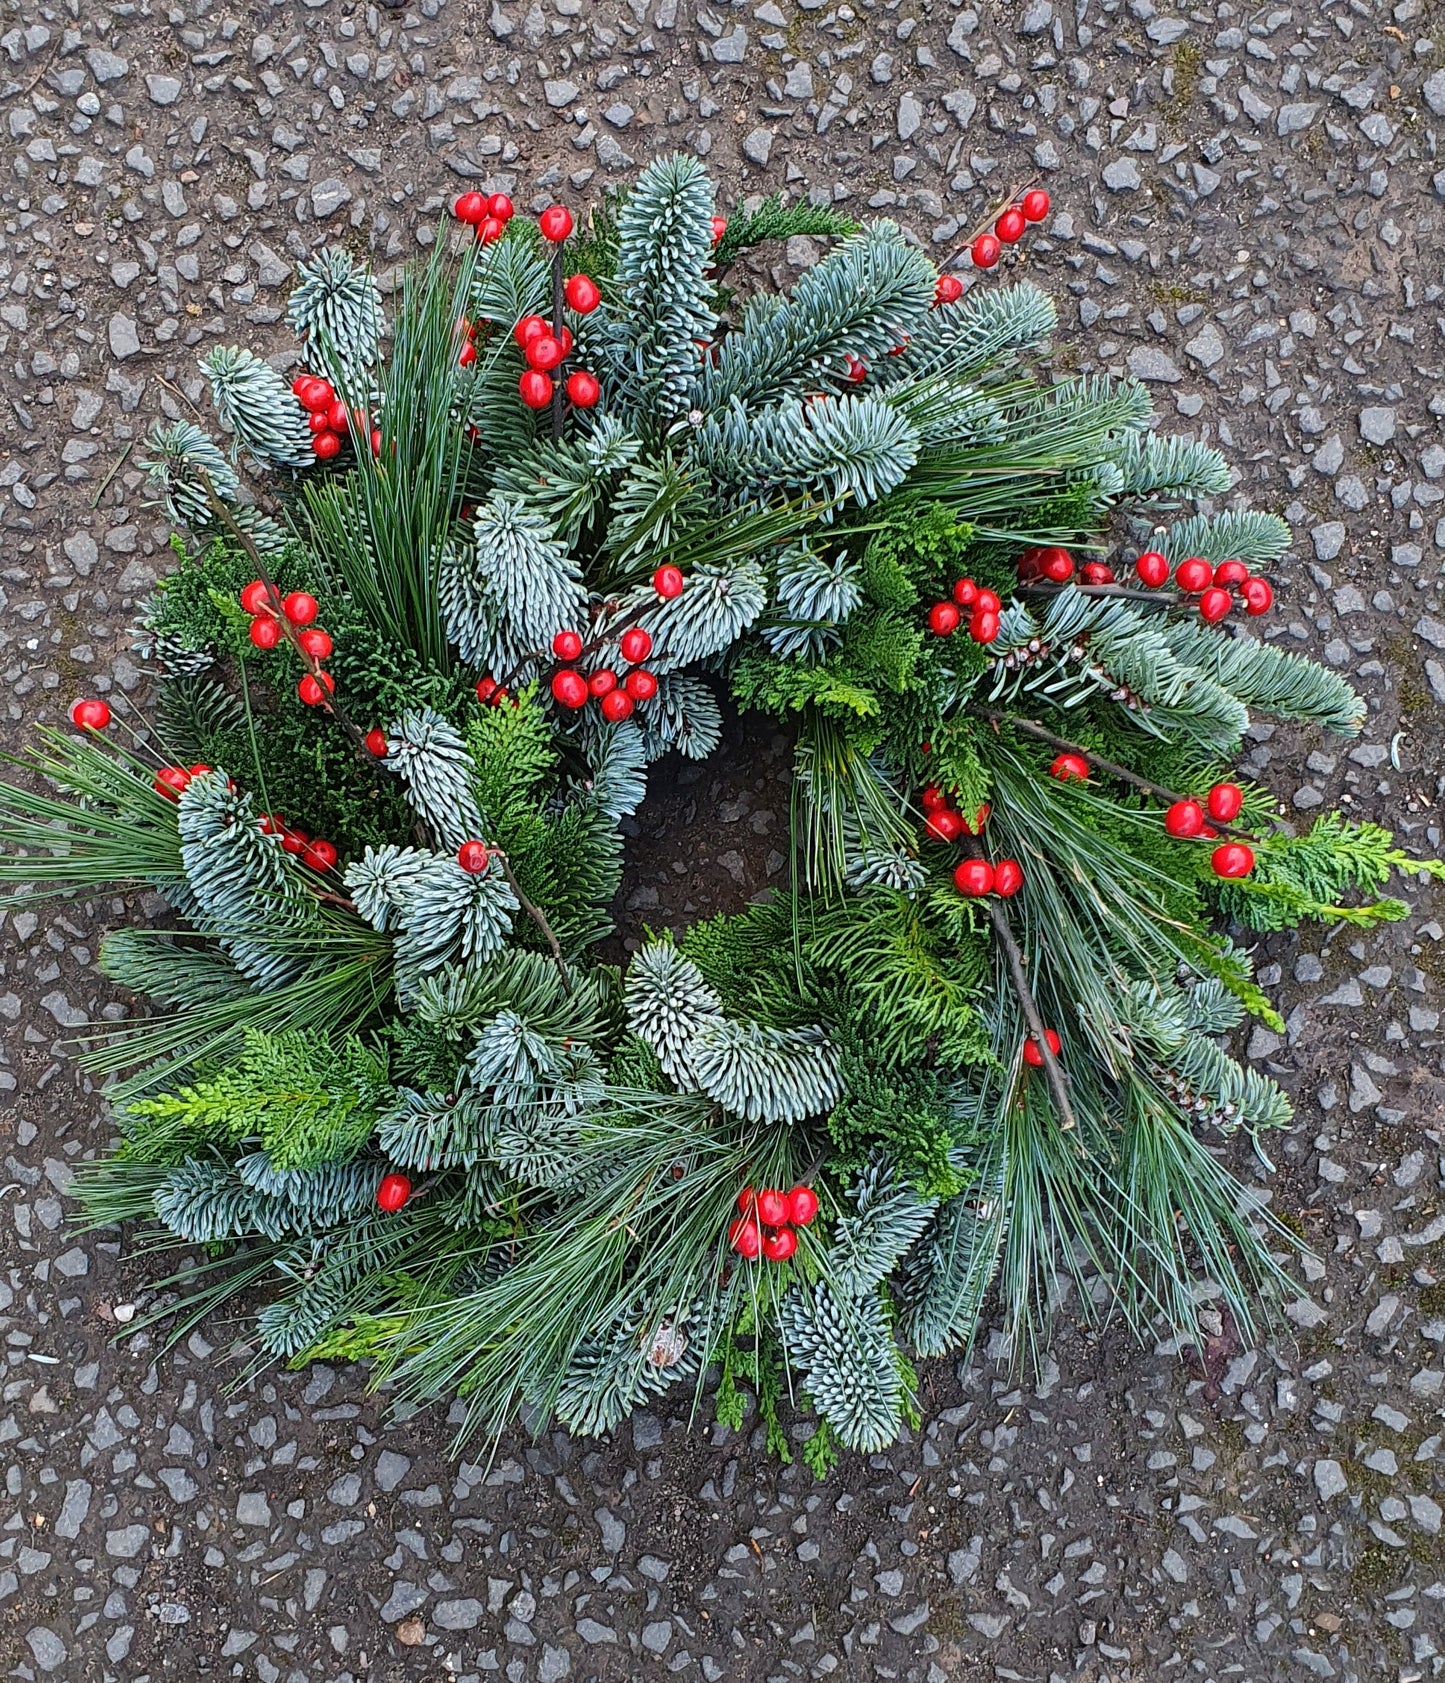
point(576, 499)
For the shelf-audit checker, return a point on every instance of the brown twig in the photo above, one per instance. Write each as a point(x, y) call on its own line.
point(119, 464)
point(1146, 785)
point(537, 915)
point(1121, 592)
point(557, 325)
point(1018, 975)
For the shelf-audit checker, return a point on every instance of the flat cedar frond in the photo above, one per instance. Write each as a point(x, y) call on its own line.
point(774, 220)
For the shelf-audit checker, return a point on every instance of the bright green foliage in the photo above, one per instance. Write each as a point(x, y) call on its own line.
point(774, 220)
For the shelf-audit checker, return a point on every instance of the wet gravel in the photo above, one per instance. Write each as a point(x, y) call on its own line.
point(1248, 218)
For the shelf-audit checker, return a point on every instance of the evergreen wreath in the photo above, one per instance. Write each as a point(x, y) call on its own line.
point(576, 498)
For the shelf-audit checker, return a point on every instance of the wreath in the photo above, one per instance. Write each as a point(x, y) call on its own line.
point(508, 551)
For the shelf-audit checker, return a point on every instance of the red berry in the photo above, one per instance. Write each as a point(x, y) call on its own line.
point(1230, 574)
point(780, 1244)
point(392, 1193)
point(973, 877)
point(376, 742)
point(500, 206)
point(933, 798)
point(536, 389)
point(199, 770)
point(1152, 568)
point(1028, 564)
point(980, 818)
point(338, 417)
point(802, 1206)
point(640, 684)
point(256, 598)
point(315, 687)
point(1214, 605)
point(746, 1199)
point(1258, 596)
point(564, 335)
point(635, 644)
point(983, 627)
point(857, 371)
point(318, 421)
point(566, 645)
point(325, 445)
point(265, 633)
point(1010, 226)
point(315, 642)
point(744, 1237)
point(949, 290)
point(272, 823)
point(583, 389)
point(570, 688)
point(500, 696)
point(299, 607)
point(1032, 1054)
point(527, 329)
point(1070, 768)
point(1184, 819)
point(984, 251)
point(376, 442)
point(294, 841)
point(987, 602)
point(719, 228)
point(490, 228)
point(668, 582)
point(601, 682)
point(772, 1207)
point(1008, 878)
point(943, 619)
point(1194, 575)
point(616, 706)
point(1056, 565)
point(316, 394)
point(1096, 572)
point(319, 855)
point(965, 592)
point(1225, 802)
point(1035, 205)
point(486, 689)
point(467, 355)
point(474, 857)
point(1233, 859)
point(544, 352)
point(582, 294)
point(90, 715)
point(555, 223)
point(470, 207)
point(944, 824)
point(171, 781)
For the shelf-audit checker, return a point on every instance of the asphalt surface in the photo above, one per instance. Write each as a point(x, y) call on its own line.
point(1246, 216)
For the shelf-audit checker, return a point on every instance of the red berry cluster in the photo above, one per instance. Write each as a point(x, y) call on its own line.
point(299, 609)
point(545, 351)
point(984, 607)
point(319, 854)
point(329, 418)
point(1009, 229)
point(1215, 586)
point(1224, 802)
point(1051, 563)
point(766, 1226)
point(89, 715)
point(944, 821)
point(973, 878)
point(173, 781)
point(392, 1193)
point(615, 698)
point(489, 216)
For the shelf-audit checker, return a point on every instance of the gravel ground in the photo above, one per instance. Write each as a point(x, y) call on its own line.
point(1245, 218)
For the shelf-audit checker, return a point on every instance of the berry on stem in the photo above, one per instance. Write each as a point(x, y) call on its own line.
point(315, 687)
point(171, 781)
point(500, 206)
point(527, 329)
point(535, 389)
point(943, 618)
point(667, 581)
point(1057, 565)
point(265, 633)
point(1225, 802)
point(984, 626)
point(1070, 768)
point(640, 684)
point(744, 1237)
point(1194, 575)
point(582, 294)
point(315, 642)
point(973, 878)
point(1096, 572)
point(635, 644)
point(90, 714)
point(256, 598)
point(949, 290)
point(569, 688)
point(944, 824)
point(555, 223)
point(719, 228)
point(780, 1244)
point(1258, 596)
point(1010, 226)
point(1035, 205)
point(1152, 568)
point(544, 352)
point(1232, 859)
point(965, 592)
point(1185, 819)
point(1008, 878)
point(802, 1206)
point(987, 602)
point(603, 680)
point(583, 389)
point(470, 207)
point(857, 371)
point(474, 857)
point(772, 1207)
point(567, 645)
point(325, 446)
point(1230, 574)
point(1034, 1056)
point(376, 742)
point(486, 688)
point(985, 251)
point(1214, 605)
point(299, 607)
point(616, 706)
point(319, 855)
point(392, 1193)
point(980, 818)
